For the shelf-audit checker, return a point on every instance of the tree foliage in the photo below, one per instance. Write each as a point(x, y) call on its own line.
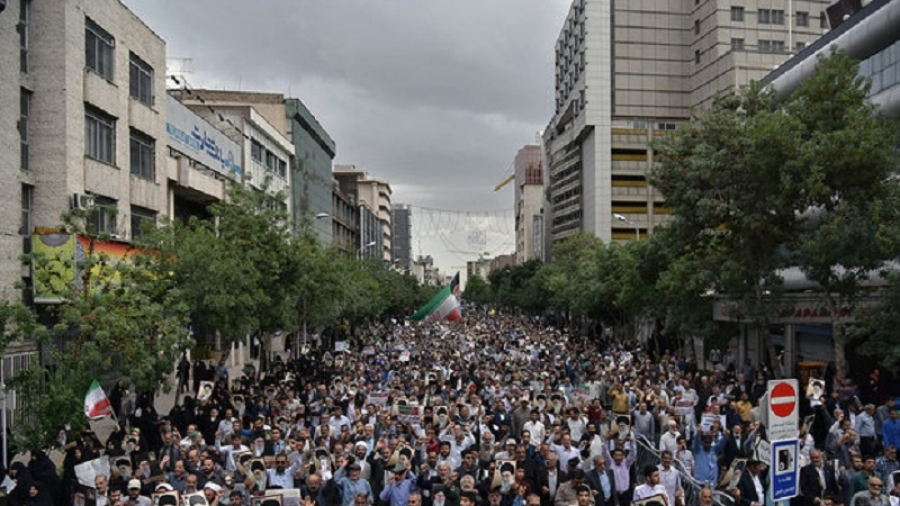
point(121, 321)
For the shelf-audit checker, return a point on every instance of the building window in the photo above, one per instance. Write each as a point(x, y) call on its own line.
point(143, 149)
point(801, 46)
point(737, 14)
point(802, 18)
point(764, 16)
point(27, 207)
point(697, 56)
point(142, 219)
point(140, 79)
point(99, 135)
point(823, 20)
point(99, 49)
point(282, 168)
point(696, 27)
point(22, 28)
point(777, 17)
point(102, 217)
point(24, 113)
point(256, 150)
point(737, 44)
point(771, 46)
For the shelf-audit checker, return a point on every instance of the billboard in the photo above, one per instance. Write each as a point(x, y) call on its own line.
point(58, 271)
point(200, 141)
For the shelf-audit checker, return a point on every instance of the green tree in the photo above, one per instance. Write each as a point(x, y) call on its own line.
point(235, 273)
point(477, 290)
point(848, 152)
point(733, 178)
point(119, 321)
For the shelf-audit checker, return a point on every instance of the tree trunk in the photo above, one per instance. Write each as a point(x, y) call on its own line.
point(839, 336)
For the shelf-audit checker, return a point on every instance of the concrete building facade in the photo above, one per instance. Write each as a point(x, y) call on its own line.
point(83, 109)
point(627, 72)
point(376, 196)
point(85, 104)
point(258, 123)
point(529, 200)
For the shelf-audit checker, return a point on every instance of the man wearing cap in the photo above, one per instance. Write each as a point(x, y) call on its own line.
point(134, 494)
point(350, 484)
point(399, 486)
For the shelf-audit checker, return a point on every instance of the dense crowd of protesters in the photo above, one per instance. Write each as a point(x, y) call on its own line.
point(494, 410)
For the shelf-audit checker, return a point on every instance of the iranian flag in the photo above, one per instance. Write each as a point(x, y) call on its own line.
point(444, 305)
point(96, 404)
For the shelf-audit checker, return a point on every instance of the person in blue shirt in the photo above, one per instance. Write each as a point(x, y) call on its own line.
point(706, 457)
point(397, 490)
point(890, 430)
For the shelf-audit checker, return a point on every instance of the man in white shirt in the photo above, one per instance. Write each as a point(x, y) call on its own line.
point(669, 477)
point(651, 486)
point(536, 428)
point(668, 442)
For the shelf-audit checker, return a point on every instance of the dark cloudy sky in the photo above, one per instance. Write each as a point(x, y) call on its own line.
point(435, 96)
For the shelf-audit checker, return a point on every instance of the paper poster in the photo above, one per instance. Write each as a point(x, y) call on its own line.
point(87, 471)
point(378, 398)
point(404, 357)
point(204, 393)
point(707, 420)
point(815, 389)
point(368, 350)
point(340, 346)
point(684, 407)
point(289, 496)
point(583, 392)
point(504, 475)
point(408, 414)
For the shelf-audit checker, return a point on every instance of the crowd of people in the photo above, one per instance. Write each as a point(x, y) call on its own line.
point(493, 410)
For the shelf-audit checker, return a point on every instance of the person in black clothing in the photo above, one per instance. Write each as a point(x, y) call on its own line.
point(43, 469)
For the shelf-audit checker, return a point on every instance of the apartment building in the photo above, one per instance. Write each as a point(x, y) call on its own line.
point(375, 196)
point(529, 200)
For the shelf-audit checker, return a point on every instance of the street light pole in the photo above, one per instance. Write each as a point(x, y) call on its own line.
point(363, 248)
point(637, 230)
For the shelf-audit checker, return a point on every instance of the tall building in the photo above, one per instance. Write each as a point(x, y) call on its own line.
point(84, 124)
point(375, 196)
point(627, 72)
point(311, 181)
point(401, 236)
point(529, 200)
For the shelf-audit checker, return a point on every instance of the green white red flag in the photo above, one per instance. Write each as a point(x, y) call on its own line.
point(444, 305)
point(96, 403)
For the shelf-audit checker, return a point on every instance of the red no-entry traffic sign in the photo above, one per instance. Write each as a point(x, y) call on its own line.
point(782, 412)
point(783, 399)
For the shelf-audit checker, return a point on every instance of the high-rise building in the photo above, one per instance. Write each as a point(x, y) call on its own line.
point(401, 237)
point(529, 200)
point(627, 72)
